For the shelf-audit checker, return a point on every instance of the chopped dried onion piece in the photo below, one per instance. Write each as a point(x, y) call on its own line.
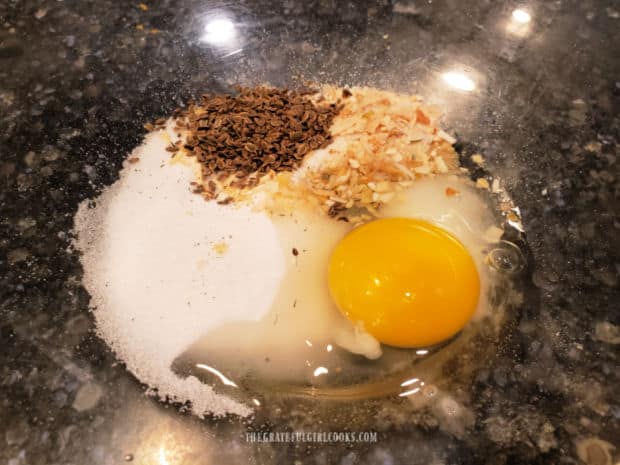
point(445, 136)
point(482, 183)
point(477, 159)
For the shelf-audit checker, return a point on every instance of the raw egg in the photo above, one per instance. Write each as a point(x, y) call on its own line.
point(409, 283)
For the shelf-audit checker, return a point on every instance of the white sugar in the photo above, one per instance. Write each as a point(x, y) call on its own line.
point(144, 247)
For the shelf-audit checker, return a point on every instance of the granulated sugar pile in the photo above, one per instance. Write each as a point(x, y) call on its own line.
point(150, 222)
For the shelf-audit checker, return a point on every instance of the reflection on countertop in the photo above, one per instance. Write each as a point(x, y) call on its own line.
point(534, 86)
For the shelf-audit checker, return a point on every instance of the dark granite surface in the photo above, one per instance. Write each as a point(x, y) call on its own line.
point(79, 78)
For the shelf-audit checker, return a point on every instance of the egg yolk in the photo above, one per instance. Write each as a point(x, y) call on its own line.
point(409, 282)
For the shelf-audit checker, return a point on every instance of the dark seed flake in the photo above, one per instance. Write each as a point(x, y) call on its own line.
point(295, 251)
point(335, 210)
point(225, 201)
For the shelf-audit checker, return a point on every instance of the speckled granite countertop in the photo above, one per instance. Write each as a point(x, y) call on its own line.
point(77, 81)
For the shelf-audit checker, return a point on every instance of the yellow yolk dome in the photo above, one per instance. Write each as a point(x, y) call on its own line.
point(409, 282)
